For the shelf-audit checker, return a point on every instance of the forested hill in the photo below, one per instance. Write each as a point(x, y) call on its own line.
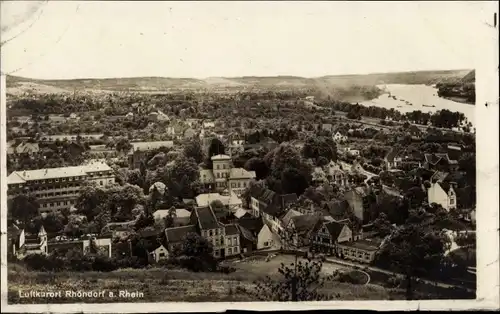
point(139, 84)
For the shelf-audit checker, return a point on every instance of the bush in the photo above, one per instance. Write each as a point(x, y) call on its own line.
point(353, 277)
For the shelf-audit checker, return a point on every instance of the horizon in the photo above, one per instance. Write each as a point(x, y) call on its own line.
point(60, 40)
point(241, 76)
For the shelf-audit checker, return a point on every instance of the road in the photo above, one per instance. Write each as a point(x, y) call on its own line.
point(376, 269)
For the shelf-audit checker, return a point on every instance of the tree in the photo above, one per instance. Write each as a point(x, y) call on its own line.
point(182, 177)
point(292, 181)
point(54, 222)
point(320, 146)
point(195, 253)
point(216, 148)
point(23, 207)
point(415, 249)
point(258, 165)
point(123, 145)
point(169, 220)
point(194, 150)
point(76, 226)
point(382, 225)
point(300, 282)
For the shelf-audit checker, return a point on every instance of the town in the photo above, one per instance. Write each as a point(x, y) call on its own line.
point(220, 181)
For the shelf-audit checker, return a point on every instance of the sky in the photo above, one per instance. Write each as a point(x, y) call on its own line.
point(63, 40)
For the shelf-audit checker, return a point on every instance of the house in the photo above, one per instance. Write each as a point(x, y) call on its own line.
point(181, 217)
point(223, 176)
point(175, 235)
point(359, 200)
point(329, 235)
point(335, 174)
point(300, 229)
point(360, 251)
point(208, 124)
point(231, 202)
point(159, 253)
point(441, 162)
point(119, 229)
point(265, 238)
point(24, 147)
point(339, 138)
point(269, 205)
point(139, 151)
point(242, 213)
point(442, 193)
point(351, 152)
point(103, 243)
point(392, 160)
point(318, 176)
point(224, 238)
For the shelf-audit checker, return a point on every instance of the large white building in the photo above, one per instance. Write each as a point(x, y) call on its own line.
point(58, 188)
point(442, 193)
point(223, 176)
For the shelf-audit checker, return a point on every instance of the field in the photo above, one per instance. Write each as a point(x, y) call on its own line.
point(174, 285)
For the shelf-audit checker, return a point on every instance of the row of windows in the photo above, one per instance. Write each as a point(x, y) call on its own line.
point(222, 175)
point(58, 187)
point(238, 184)
point(211, 232)
point(234, 250)
point(232, 241)
point(48, 205)
point(61, 193)
point(224, 166)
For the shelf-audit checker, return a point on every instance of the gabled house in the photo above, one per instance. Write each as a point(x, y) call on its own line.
point(339, 138)
point(392, 160)
point(159, 252)
point(270, 206)
point(441, 162)
point(329, 235)
point(174, 236)
point(301, 228)
point(265, 238)
point(442, 193)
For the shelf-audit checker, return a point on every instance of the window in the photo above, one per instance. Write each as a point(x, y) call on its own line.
point(100, 182)
point(236, 250)
point(230, 241)
point(266, 243)
point(218, 175)
point(210, 233)
point(230, 251)
point(217, 231)
point(218, 167)
point(161, 255)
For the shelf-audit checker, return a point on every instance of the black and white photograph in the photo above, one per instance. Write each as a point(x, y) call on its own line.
point(257, 152)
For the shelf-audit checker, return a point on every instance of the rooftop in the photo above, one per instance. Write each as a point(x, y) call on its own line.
point(366, 245)
point(221, 157)
point(145, 146)
point(177, 234)
point(240, 173)
point(206, 218)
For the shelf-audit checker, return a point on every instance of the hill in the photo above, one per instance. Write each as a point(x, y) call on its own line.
point(470, 77)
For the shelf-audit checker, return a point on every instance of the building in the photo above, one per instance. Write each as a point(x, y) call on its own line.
point(360, 251)
point(265, 238)
point(300, 229)
point(159, 252)
point(101, 151)
point(329, 235)
point(102, 243)
point(23, 148)
point(335, 174)
point(181, 217)
point(224, 238)
point(118, 229)
point(339, 138)
point(139, 151)
point(58, 188)
point(442, 193)
point(440, 162)
point(223, 176)
point(70, 137)
point(269, 205)
point(175, 235)
point(359, 200)
point(231, 202)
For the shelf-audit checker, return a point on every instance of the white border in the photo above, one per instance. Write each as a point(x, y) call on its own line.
point(487, 133)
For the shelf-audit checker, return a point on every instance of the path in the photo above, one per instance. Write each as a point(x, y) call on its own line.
point(376, 269)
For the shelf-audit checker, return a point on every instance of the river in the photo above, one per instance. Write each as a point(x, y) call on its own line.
point(418, 95)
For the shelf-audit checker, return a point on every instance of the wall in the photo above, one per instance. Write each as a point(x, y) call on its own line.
point(437, 195)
